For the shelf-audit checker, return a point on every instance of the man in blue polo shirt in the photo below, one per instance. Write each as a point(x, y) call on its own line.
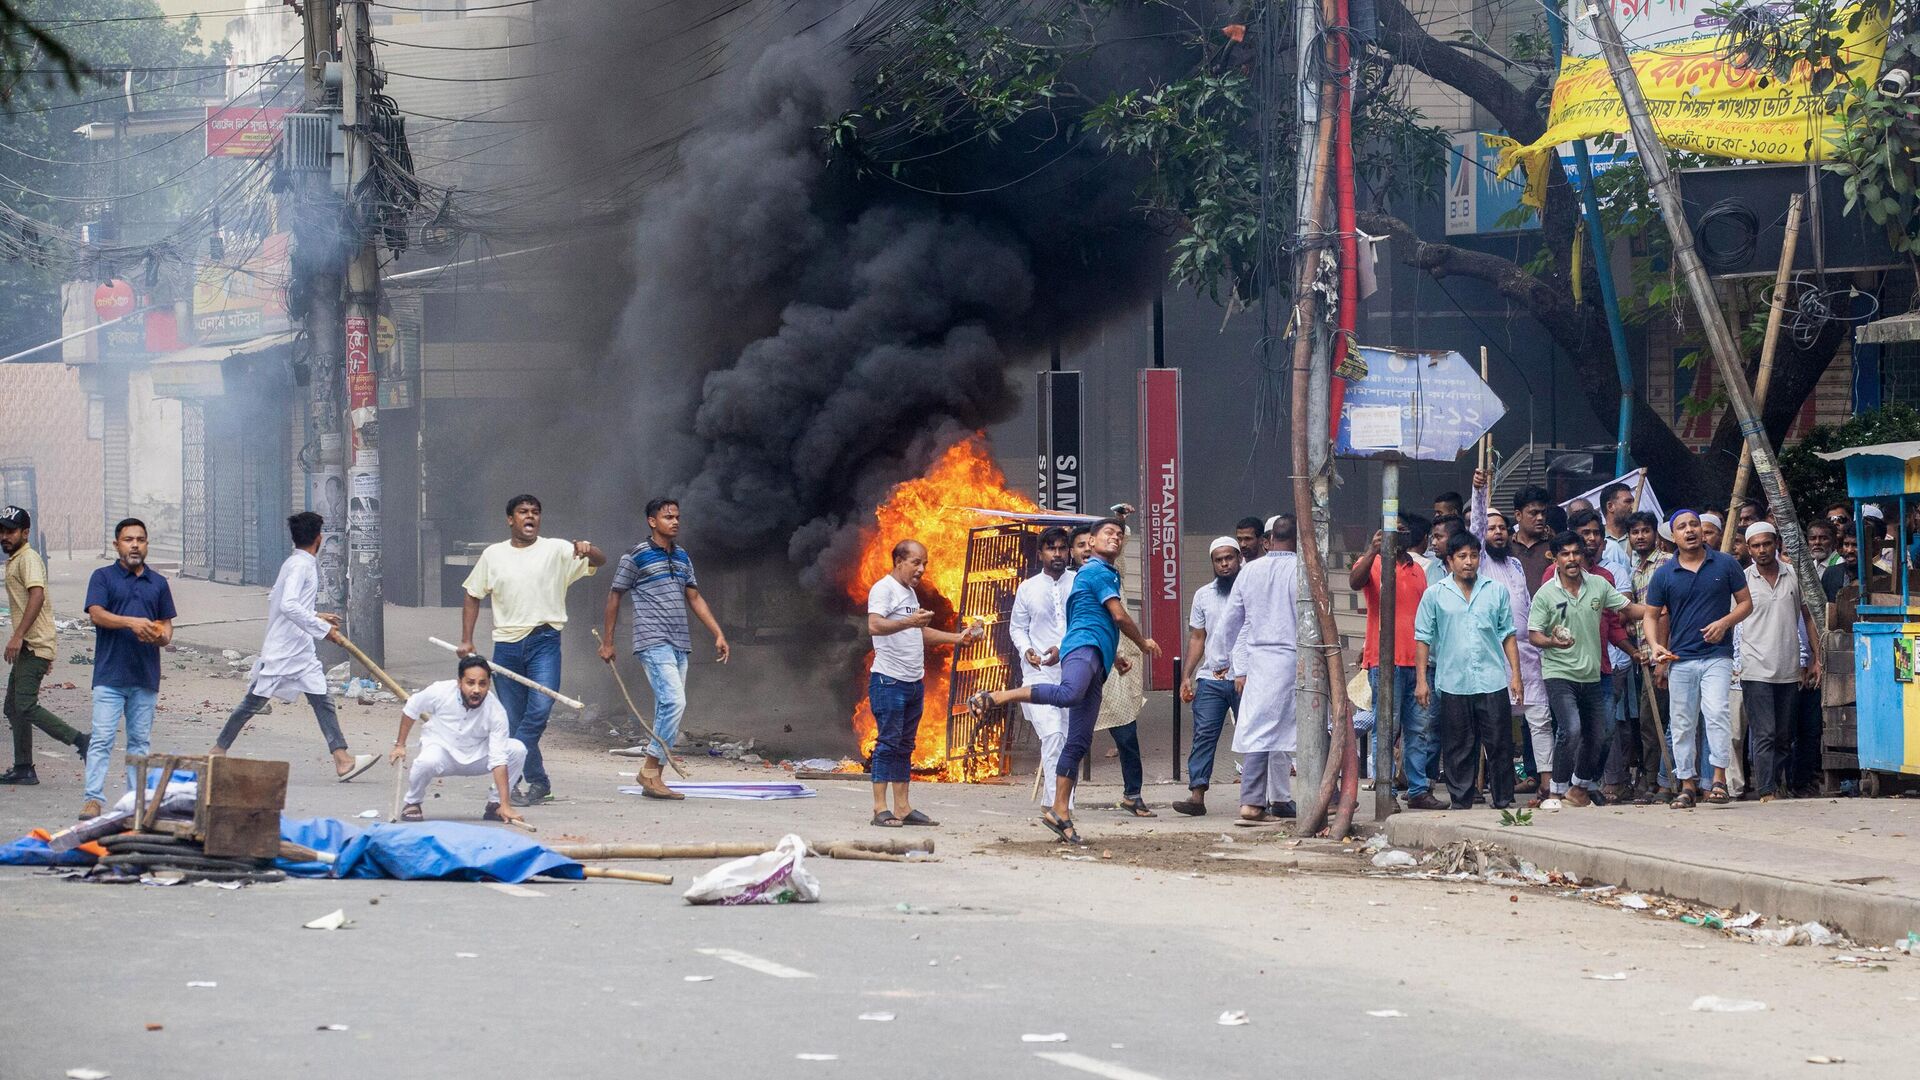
point(132, 612)
point(1697, 598)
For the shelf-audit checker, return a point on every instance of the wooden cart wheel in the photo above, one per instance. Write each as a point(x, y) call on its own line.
point(1869, 783)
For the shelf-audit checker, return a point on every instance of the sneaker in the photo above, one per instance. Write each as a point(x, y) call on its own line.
point(1425, 801)
point(20, 774)
point(1282, 810)
point(1550, 804)
point(90, 809)
point(533, 796)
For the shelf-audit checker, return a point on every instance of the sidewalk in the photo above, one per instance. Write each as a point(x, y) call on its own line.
point(1853, 864)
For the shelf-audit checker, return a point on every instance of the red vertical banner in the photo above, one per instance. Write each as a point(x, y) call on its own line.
point(362, 390)
point(1163, 515)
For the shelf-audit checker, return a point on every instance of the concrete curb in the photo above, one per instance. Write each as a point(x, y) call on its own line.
point(1866, 916)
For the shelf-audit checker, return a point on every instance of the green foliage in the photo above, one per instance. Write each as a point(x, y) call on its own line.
point(952, 78)
point(1815, 483)
point(47, 172)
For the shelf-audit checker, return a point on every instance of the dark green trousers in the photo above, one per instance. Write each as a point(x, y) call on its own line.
point(24, 711)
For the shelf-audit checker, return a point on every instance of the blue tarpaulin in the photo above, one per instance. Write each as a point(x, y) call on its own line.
point(32, 851)
point(422, 851)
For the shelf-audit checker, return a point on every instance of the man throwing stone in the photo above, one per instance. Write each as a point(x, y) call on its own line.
point(287, 664)
point(463, 733)
point(658, 575)
point(527, 576)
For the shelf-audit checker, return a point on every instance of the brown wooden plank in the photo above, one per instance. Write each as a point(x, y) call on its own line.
point(243, 833)
point(247, 784)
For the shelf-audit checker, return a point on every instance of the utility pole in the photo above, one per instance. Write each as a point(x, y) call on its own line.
point(317, 223)
point(1726, 354)
point(365, 593)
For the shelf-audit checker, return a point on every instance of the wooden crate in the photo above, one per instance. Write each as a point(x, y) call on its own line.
point(240, 804)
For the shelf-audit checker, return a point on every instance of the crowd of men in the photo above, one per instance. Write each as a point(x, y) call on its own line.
point(486, 721)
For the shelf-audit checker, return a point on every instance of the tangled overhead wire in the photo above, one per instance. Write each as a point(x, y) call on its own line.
point(1808, 307)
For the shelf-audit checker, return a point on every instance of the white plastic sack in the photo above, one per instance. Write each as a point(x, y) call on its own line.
point(771, 877)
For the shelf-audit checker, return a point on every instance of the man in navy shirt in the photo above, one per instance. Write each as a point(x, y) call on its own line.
point(1697, 598)
point(132, 612)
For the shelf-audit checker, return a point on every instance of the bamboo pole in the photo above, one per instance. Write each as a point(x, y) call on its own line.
point(1486, 440)
point(726, 849)
point(627, 875)
point(1764, 379)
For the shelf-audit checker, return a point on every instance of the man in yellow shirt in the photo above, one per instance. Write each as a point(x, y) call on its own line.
point(30, 648)
point(527, 576)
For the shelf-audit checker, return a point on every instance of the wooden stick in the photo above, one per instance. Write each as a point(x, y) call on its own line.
point(1765, 377)
point(840, 852)
point(641, 720)
point(399, 790)
point(1486, 440)
point(515, 676)
point(829, 774)
point(1659, 727)
point(725, 849)
point(627, 875)
point(392, 684)
point(302, 853)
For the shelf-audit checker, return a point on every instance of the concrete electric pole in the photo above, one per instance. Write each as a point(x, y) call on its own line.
point(365, 592)
point(317, 227)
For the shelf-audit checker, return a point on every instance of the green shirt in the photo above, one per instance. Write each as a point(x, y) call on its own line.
point(1554, 606)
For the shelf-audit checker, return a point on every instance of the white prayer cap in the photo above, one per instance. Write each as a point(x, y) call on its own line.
point(1761, 528)
point(1718, 521)
point(1268, 531)
point(1872, 510)
point(1222, 542)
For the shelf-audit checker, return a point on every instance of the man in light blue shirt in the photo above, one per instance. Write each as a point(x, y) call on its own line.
point(1464, 629)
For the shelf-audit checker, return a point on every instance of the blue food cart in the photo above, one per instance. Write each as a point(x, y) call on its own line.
point(1886, 633)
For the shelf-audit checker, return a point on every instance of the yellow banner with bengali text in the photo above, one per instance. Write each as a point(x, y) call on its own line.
point(1701, 102)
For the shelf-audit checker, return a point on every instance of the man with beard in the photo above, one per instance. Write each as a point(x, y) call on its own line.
point(1251, 535)
point(1779, 654)
point(1464, 627)
point(1531, 533)
point(30, 649)
point(1096, 619)
point(1697, 598)
point(1209, 673)
point(131, 607)
point(1261, 619)
point(1036, 625)
point(1820, 543)
point(896, 686)
point(1499, 563)
point(1712, 528)
point(463, 733)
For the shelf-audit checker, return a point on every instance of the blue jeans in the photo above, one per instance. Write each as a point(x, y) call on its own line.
point(1126, 739)
point(110, 704)
point(1420, 749)
point(1211, 700)
point(667, 674)
point(896, 709)
point(1699, 691)
point(537, 656)
point(1082, 682)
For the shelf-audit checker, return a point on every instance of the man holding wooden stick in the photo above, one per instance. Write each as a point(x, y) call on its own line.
point(658, 575)
point(288, 664)
point(463, 733)
point(527, 576)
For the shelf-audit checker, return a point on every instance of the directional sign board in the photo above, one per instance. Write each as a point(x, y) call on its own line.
point(1415, 406)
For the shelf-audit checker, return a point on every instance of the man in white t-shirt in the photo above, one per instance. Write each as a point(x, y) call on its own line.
point(896, 687)
point(1209, 671)
point(527, 576)
point(463, 733)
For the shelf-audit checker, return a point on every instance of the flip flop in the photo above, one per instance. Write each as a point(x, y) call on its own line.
point(1717, 795)
point(361, 763)
point(886, 820)
point(1265, 819)
point(1136, 807)
point(915, 817)
point(1682, 801)
point(1056, 826)
point(412, 812)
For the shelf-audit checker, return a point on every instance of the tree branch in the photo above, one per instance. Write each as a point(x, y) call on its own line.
point(1402, 36)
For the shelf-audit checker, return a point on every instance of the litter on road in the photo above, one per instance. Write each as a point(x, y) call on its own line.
point(1057, 1036)
point(772, 877)
point(1233, 1018)
point(199, 985)
point(1385, 1014)
point(332, 920)
point(878, 1017)
point(1712, 1004)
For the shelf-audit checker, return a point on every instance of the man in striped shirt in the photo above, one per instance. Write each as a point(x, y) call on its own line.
point(658, 574)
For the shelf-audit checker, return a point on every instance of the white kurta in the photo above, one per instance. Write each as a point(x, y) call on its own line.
point(1039, 622)
point(288, 665)
point(1262, 611)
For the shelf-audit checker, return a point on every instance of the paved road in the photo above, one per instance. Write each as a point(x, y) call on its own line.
point(1134, 964)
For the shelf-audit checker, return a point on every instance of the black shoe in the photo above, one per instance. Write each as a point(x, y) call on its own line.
point(1425, 801)
point(1281, 809)
point(491, 813)
point(534, 795)
point(20, 774)
point(81, 745)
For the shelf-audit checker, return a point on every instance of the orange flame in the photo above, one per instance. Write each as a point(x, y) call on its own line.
point(929, 509)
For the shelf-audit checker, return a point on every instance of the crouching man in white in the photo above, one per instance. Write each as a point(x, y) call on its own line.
point(463, 733)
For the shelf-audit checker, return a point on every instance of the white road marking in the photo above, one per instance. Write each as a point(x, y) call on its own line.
point(54, 756)
point(1095, 1066)
point(512, 890)
point(754, 963)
